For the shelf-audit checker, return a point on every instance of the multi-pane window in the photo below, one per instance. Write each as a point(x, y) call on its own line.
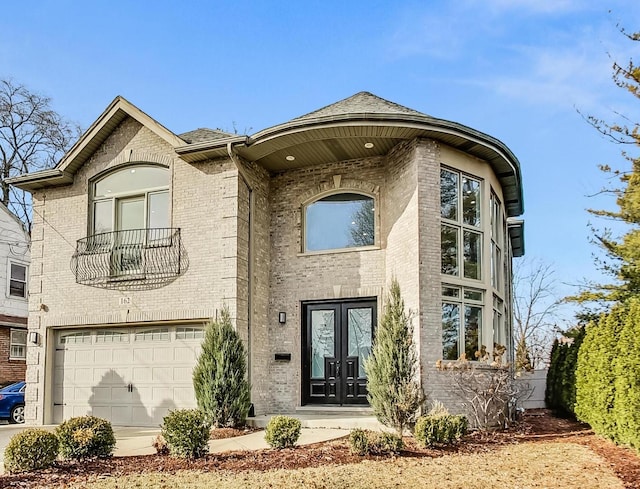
point(189, 333)
point(461, 322)
point(497, 237)
point(17, 280)
point(461, 235)
point(158, 334)
point(343, 220)
point(18, 344)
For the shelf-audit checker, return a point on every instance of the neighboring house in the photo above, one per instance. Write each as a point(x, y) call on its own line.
point(14, 309)
point(141, 235)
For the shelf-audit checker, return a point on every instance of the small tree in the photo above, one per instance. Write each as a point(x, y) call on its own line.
point(219, 377)
point(392, 369)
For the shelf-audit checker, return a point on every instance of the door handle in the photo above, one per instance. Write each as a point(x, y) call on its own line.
point(338, 368)
point(130, 388)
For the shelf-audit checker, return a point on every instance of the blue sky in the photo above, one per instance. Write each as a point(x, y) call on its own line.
point(518, 70)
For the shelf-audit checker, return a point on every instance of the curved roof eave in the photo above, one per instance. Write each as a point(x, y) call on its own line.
point(430, 126)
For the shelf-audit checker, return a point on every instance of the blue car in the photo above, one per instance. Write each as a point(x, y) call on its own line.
point(12, 402)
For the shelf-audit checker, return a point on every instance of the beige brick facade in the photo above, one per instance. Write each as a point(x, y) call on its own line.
point(242, 226)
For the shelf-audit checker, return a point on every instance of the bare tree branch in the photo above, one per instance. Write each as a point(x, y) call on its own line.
point(32, 137)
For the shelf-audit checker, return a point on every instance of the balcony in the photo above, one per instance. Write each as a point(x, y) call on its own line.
point(135, 259)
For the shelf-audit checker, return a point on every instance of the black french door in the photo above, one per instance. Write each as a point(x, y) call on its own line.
point(336, 339)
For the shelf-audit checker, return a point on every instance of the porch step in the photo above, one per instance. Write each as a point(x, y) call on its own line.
point(327, 417)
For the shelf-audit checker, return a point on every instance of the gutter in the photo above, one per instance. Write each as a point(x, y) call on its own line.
point(250, 251)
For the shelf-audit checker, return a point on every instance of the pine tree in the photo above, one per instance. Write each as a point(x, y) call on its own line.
point(621, 254)
point(220, 375)
point(395, 393)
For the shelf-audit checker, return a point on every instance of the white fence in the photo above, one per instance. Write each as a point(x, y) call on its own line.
point(538, 381)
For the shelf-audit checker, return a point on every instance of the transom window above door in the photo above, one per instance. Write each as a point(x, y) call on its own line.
point(338, 221)
point(136, 197)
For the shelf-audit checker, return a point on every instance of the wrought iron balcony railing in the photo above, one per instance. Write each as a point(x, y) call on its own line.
point(131, 259)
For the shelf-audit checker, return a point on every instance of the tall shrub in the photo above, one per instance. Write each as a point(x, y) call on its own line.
point(595, 378)
point(220, 376)
point(560, 394)
point(626, 368)
point(395, 393)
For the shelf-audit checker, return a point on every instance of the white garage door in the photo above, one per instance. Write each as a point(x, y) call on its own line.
point(132, 377)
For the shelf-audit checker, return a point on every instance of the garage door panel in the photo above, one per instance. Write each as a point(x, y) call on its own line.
point(141, 374)
point(143, 355)
point(102, 412)
point(85, 357)
point(101, 394)
point(183, 374)
point(83, 375)
point(122, 355)
point(121, 415)
point(184, 396)
point(162, 374)
point(162, 355)
point(103, 356)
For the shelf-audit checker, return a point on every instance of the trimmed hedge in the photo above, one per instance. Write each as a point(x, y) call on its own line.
point(282, 432)
point(365, 442)
point(85, 437)
point(432, 430)
point(608, 375)
point(186, 433)
point(32, 449)
point(560, 394)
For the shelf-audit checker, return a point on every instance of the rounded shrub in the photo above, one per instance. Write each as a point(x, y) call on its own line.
point(282, 432)
point(359, 441)
point(32, 449)
point(385, 443)
point(85, 437)
point(432, 430)
point(186, 432)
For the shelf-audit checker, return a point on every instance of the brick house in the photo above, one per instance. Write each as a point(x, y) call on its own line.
point(14, 266)
point(141, 235)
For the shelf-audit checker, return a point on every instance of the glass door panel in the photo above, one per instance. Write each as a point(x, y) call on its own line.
point(323, 340)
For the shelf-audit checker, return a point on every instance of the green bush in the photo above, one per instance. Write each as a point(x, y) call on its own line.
point(432, 430)
point(32, 449)
point(359, 441)
point(187, 433)
point(282, 432)
point(220, 376)
point(85, 437)
point(386, 443)
point(560, 393)
point(364, 442)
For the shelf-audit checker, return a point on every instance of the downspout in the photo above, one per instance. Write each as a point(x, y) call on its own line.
point(238, 164)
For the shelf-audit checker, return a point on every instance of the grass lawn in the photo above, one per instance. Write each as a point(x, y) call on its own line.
point(526, 465)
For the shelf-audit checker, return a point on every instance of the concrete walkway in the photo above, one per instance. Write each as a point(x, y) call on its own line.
point(138, 441)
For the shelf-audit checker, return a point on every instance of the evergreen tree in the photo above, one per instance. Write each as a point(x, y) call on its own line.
point(595, 377)
point(395, 393)
point(626, 368)
point(621, 254)
point(220, 375)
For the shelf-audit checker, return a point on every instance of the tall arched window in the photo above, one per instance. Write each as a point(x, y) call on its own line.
point(341, 220)
point(136, 197)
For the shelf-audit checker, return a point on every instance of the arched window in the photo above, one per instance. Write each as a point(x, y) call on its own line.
point(136, 197)
point(341, 220)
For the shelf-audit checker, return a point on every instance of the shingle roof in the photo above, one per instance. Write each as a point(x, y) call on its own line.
point(360, 103)
point(203, 134)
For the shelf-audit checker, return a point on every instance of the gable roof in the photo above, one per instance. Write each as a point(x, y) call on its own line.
point(117, 111)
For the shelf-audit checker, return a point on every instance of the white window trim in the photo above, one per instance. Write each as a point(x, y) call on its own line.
point(11, 262)
point(12, 343)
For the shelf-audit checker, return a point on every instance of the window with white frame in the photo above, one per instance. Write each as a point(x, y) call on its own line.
point(130, 211)
point(340, 220)
point(461, 322)
point(461, 218)
point(17, 280)
point(18, 344)
point(497, 237)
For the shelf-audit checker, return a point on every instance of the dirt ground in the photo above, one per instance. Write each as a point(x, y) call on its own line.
point(537, 426)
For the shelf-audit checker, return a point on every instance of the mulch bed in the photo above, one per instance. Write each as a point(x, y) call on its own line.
point(536, 426)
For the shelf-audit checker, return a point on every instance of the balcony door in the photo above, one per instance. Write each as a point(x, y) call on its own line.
point(337, 338)
point(127, 256)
